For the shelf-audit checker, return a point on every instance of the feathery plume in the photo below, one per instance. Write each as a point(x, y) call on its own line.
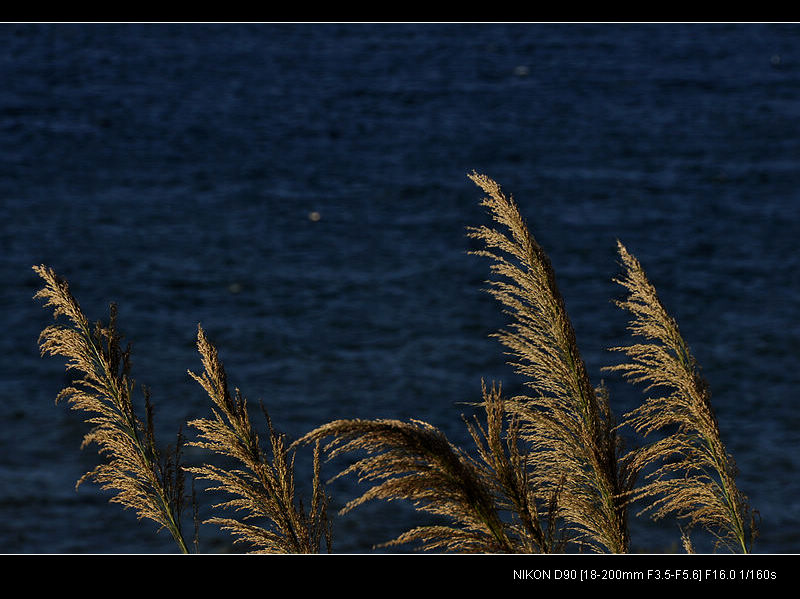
point(696, 477)
point(567, 423)
point(414, 461)
point(533, 528)
point(263, 487)
point(144, 478)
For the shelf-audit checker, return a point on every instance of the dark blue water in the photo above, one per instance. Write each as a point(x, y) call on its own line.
point(173, 169)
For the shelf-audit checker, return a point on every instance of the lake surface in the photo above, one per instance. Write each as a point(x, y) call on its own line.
point(301, 190)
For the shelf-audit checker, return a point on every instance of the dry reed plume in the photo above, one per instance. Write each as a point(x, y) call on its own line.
point(547, 472)
point(567, 423)
point(415, 461)
point(264, 488)
point(696, 477)
point(151, 481)
point(144, 478)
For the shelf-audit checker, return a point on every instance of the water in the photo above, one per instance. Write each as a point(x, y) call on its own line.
point(174, 168)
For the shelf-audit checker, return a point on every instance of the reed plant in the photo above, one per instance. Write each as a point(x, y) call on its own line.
point(415, 461)
point(567, 423)
point(151, 480)
point(692, 476)
point(144, 477)
point(547, 470)
point(262, 487)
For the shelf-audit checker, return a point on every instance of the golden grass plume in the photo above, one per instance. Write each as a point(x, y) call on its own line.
point(415, 461)
point(149, 481)
point(565, 420)
point(694, 476)
point(263, 487)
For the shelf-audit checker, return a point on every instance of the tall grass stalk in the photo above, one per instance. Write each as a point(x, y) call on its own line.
point(693, 476)
point(263, 486)
point(146, 479)
point(415, 461)
point(567, 423)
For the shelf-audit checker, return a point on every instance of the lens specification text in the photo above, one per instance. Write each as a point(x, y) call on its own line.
point(649, 574)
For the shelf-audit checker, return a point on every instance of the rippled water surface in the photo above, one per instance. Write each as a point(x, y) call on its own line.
point(174, 169)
